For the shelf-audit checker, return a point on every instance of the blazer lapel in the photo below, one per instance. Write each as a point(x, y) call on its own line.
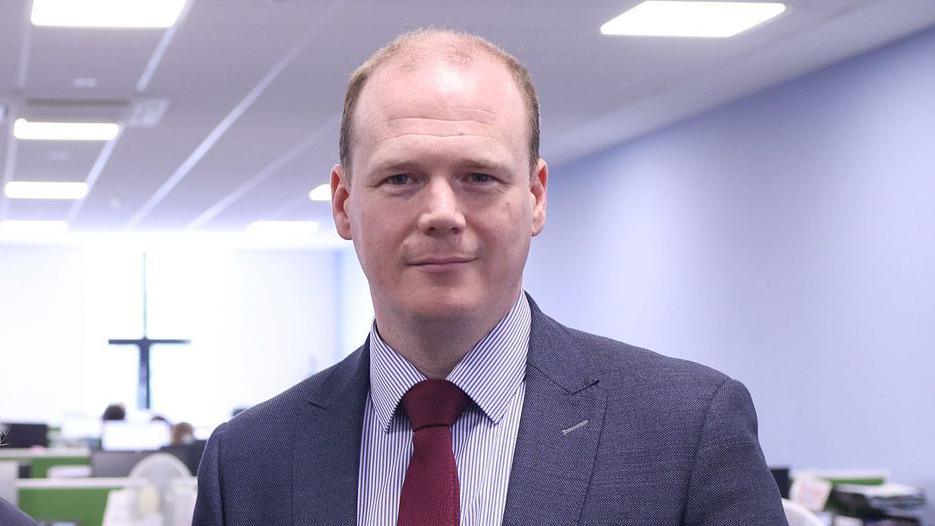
point(327, 445)
point(563, 413)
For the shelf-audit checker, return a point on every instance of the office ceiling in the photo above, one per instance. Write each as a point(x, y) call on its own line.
point(254, 90)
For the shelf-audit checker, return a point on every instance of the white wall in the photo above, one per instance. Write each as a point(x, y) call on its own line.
point(279, 321)
point(787, 239)
point(355, 306)
point(41, 304)
point(259, 320)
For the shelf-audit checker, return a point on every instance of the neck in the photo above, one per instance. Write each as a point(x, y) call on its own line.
point(435, 346)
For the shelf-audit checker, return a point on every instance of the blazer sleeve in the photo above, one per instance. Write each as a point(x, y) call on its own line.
point(209, 509)
point(730, 481)
point(10, 516)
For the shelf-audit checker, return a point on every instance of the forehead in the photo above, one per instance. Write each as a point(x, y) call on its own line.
point(440, 98)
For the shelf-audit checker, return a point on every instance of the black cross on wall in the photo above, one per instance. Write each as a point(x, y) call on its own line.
point(144, 345)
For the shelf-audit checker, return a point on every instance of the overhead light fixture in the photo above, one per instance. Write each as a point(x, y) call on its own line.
point(321, 192)
point(32, 230)
point(691, 19)
point(45, 190)
point(281, 230)
point(148, 113)
point(84, 82)
point(64, 131)
point(143, 14)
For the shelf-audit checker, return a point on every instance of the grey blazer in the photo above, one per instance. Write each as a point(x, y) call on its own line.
point(610, 434)
point(10, 516)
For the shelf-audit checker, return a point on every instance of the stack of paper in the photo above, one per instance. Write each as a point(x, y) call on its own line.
point(884, 497)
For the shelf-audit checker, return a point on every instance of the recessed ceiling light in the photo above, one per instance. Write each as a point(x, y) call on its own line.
point(691, 19)
point(45, 190)
point(106, 13)
point(27, 230)
point(64, 131)
point(84, 82)
point(321, 192)
point(148, 113)
point(281, 230)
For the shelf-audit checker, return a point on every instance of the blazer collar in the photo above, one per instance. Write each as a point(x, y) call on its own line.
point(326, 449)
point(553, 355)
point(563, 412)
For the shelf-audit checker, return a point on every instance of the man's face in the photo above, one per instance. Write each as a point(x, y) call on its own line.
point(442, 201)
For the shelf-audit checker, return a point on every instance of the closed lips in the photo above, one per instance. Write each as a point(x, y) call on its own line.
point(441, 261)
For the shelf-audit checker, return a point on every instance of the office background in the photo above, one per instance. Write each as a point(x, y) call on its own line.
point(786, 238)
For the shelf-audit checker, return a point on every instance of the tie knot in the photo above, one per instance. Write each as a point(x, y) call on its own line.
point(434, 403)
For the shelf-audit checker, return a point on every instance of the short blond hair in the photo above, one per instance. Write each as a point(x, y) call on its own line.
point(462, 49)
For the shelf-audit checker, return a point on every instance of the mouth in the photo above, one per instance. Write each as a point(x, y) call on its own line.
point(441, 264)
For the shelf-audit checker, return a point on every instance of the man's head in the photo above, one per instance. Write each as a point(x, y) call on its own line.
point(410, 50)
point(114, 412)
point(445, 194)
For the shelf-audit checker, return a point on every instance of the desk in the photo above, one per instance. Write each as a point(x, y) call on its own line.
point(41, 460)
point(78, 500)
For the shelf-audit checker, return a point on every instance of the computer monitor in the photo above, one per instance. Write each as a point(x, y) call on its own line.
point(81, 427)
point(134, 436)
point(189, 454)
point(116, 463)
point(24, 435)
point(781, 475)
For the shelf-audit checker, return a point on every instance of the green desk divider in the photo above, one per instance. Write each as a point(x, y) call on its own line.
point(862, 477)
point(41, 461)
point(860, 481)
point(84, 504)
point(41, 465)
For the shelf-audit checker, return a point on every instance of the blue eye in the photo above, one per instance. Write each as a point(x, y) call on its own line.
point(480, 178)
point(398, 179)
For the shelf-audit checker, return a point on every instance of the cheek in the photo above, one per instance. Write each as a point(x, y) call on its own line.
point(377, 239)
point(507, 229)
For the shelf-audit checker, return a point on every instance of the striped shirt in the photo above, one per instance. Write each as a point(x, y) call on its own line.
point(492, 375)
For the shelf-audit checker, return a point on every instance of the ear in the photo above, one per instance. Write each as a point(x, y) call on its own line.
point(538, 183)
point(340, 195)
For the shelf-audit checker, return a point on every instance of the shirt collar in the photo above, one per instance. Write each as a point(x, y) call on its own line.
point(489, 374)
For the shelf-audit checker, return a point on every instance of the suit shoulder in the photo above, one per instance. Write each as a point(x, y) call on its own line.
point(613, 361)
point(671, 392)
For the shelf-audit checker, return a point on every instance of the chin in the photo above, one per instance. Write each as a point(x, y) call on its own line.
point(444, 304)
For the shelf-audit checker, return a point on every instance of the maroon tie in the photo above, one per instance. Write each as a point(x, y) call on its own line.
point(430, 492)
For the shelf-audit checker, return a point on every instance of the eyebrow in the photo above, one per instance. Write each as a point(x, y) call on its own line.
point(395, 166)
point(403, 165)
point(483, 164)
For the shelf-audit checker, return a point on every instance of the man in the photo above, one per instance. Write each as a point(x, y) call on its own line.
point(467, 405)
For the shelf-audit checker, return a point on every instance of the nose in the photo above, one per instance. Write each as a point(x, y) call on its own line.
point(441, 212)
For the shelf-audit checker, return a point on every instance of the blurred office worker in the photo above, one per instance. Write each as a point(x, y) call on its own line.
point(467, 404)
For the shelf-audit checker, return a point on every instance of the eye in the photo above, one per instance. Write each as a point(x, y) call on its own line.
point(480, 178)
point(398, 179)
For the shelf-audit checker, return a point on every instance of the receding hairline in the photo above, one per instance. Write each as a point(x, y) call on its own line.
point(411, 51)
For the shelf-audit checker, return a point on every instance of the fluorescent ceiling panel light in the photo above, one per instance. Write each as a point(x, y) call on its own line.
point(106, 13)
point(45, 190)
point(19, 229)
point(281, 230)
point(691, 19)
point(321, 192)
point(64, 131)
